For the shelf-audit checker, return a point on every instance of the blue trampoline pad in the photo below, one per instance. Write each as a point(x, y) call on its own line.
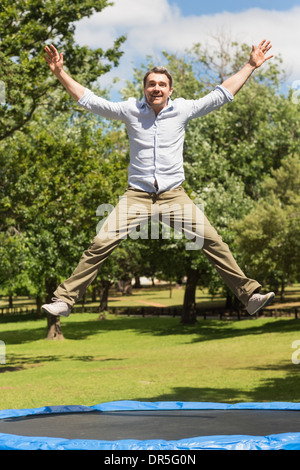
point(131, 425)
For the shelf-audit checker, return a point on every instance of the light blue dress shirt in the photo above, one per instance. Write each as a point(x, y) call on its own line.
point(156, 142)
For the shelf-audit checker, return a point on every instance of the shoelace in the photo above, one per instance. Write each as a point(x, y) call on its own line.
point(255, 296)
point(55, 299)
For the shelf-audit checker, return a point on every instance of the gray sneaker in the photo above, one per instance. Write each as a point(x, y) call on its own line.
point(258, 301)
point(57, 307)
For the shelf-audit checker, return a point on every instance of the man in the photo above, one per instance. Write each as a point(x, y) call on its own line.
point(156, 128)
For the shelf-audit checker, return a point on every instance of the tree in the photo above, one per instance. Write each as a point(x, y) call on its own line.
point(68, 167)
point(269, 236)
point(25, 26)
point(13, 254)
point(26, 183)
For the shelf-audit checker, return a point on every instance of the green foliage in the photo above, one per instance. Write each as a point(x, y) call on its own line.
point(56, 164)
point(54, 179)
point(25, 27)
point(14, 276)
point(269, 236)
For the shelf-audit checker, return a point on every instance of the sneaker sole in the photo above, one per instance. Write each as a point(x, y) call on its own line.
point(267, 302)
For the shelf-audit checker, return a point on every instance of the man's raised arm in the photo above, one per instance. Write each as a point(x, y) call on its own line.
point(56, 62)
point(257, 58)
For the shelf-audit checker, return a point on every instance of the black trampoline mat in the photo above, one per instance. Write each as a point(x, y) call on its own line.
point(147, 425)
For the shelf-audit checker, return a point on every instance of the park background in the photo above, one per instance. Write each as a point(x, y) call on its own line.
point(58, 164)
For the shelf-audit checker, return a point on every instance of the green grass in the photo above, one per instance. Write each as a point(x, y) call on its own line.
point(153, 359)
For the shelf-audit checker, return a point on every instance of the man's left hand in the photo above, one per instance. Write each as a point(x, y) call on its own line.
point(258, 54)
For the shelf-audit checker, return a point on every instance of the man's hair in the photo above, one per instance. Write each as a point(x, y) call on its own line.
point(161, 70)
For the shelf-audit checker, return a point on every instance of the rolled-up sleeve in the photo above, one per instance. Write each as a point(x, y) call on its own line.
point(213, 100)
point(101, 106)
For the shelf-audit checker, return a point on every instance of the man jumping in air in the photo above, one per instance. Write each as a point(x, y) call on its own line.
point(156, 129)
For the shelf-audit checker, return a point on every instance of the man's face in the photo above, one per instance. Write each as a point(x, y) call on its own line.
point(157, 91)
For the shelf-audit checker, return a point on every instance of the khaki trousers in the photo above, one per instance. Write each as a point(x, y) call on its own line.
point(130, 219)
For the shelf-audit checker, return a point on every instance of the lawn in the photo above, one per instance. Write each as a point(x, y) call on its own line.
point(148, 359)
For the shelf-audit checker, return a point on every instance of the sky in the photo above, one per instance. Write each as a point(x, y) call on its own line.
point(194, 7)
point(176, 25)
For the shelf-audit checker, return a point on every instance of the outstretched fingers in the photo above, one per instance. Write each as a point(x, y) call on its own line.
point(52, 53)
point(265, 46)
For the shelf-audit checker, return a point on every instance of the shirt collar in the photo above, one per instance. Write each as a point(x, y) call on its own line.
point(144, 103)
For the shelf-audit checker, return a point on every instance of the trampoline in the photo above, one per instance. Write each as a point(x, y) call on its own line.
point(132, 425)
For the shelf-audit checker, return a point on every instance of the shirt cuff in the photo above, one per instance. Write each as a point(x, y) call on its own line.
point(226, 92)
point(85, 97)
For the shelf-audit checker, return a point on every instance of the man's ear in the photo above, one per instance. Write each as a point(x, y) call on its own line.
point(171, 91)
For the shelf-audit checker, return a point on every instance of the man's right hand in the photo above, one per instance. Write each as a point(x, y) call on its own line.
point(56, 63)
point(54, 59)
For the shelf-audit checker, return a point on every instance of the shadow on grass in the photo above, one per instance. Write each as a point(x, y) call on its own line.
point(17, 362)
point(203, 330)
point(285, 389)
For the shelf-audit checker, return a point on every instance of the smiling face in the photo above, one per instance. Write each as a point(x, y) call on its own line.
point(157, 91)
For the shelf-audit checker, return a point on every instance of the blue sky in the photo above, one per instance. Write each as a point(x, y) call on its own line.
point(196, 7)
point(176, 25)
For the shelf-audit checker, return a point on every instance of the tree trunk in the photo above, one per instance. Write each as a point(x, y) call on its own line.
point(94, 293)
point(170, 290)
point(137, 282)
point(39, 303)
point(83, 303)
point(53, 321)
point(124, 286)
point(189, 304)
point(282, 293)
point(104, 290)
point(54, 330)
point(232, 303)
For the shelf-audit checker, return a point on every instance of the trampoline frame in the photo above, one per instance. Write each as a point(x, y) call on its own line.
point(285, 441)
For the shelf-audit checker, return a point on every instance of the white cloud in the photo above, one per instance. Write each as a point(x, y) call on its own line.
point(125, 17)
point(155, 26)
